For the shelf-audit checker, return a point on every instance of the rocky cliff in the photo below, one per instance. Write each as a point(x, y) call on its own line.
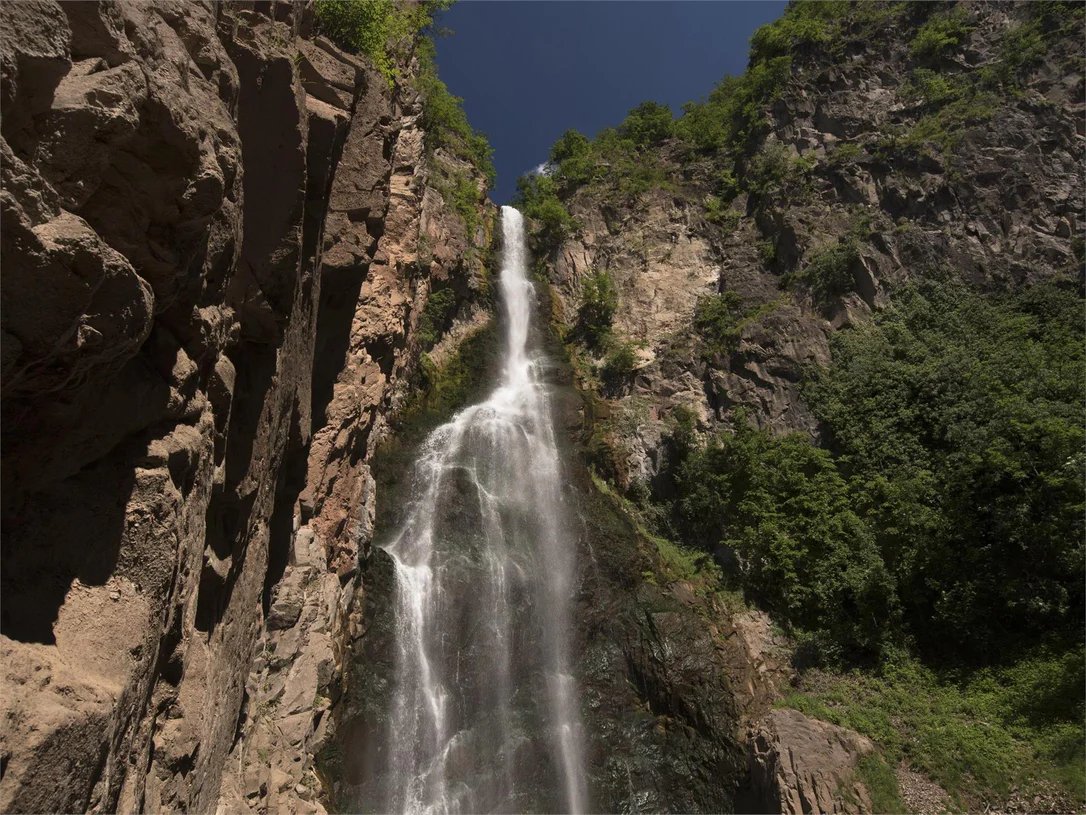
point(852, 152)
point(220, 234)
point(702, 268)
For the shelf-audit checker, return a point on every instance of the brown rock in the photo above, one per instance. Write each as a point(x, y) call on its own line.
point(802, 765)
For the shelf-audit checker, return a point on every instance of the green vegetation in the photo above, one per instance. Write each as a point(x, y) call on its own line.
point(976, 735)
point(599, 301)
point(803, 26)
point(947, 511)
point(881, 784)
point(716, 321)
point(647, 125)
point(436, 316)
point(829, 271)
point(439, 391)
point(958, 420)
point(538, 199)
point(389, 33)
point(944, 31)
point(937, 542)
point(618, 366)
point(780, 505)
point(733, 117)
point(444, 120)
point(383, 30)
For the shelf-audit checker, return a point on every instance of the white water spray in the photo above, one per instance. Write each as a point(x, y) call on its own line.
point(484, 712)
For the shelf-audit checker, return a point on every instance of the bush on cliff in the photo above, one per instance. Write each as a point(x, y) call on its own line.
point(381, 29)
point(599, 301)
point(780, 504)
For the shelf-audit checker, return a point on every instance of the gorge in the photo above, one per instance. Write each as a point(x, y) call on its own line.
point(737, 467)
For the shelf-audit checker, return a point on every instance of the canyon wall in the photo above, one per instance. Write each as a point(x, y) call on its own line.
point(218, 239)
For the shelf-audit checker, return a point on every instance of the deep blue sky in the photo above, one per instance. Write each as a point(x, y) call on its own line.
point(528, 70)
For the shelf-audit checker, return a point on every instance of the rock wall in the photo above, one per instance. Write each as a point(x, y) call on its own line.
point(211, 236)
point(1004, 208)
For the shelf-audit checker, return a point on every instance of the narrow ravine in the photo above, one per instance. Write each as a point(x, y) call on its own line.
point(484, 564)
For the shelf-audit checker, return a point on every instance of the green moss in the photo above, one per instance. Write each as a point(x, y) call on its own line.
point(442, 390)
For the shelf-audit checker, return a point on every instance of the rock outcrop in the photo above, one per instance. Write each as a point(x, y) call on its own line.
point(212, 278)
point(799, 765)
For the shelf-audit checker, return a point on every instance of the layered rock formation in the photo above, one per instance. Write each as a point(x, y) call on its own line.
point(212, 224)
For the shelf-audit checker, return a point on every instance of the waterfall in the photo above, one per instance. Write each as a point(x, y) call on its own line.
point(484, 711)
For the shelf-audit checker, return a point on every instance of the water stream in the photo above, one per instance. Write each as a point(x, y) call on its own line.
point(484, 711)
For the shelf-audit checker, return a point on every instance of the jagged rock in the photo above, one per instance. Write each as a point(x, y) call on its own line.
point(179, 180)
point(801, 765)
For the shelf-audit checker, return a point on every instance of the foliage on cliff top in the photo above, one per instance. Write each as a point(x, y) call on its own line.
point(444, 120)
point(389, 33)
point(383, 30)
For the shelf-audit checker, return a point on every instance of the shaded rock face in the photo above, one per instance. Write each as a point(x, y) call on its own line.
point(1004, 210)
point(206, 225)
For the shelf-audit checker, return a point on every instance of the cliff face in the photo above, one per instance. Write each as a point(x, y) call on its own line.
point(875, 159)
point(851, 149)
point(213, 235)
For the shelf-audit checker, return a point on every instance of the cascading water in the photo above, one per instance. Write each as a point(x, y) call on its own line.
point(484, 713)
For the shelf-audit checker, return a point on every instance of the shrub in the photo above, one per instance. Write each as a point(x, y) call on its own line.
point(943, 32)
point(443, 118)
point(361, 28)
point(726, 185)
point(830, 271)
point(618, 366)
point(648, 124)
point(571, 144)
point(802, 26)
point(716, 320)
point(538, 199)
point(734, 115)
point(958, 419)
point(380, 29)
point(781, 504)
point(932, 88)
point(599, 301)
point(436, 316)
